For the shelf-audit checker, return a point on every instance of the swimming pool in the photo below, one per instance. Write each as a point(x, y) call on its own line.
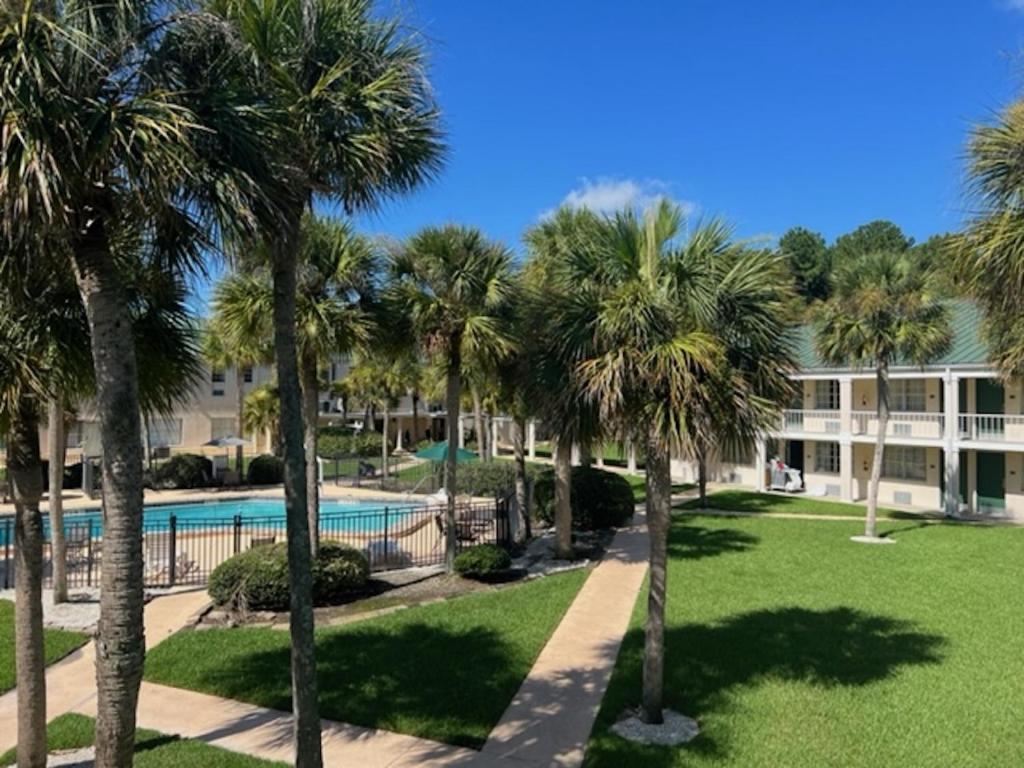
point(336, 515)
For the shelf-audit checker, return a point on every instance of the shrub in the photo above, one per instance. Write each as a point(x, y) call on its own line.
point(183, 470)
point(599, 499)
point(342, 442)
point(482, 561)
point(257, 579)
point(266, 470)
point(490, 478)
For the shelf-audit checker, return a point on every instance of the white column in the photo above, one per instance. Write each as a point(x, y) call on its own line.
point(494, 437)
point(599, 459)
point(630, 457)
point(845, 468)
point(462, 435)
point(531, 439)
point(951, 443)
point(575, 460)
point(845, 405)
point(761, 463)
point(398, 434)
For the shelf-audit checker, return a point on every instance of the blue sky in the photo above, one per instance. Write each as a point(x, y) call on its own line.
point(821, 113)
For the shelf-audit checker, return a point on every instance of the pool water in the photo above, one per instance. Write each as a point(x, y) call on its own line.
point(365, 515)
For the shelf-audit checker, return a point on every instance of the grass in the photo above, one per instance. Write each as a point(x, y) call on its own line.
point(639, 485)
point(445, 671)
point(152, 749)
point(58, 643)
point(768, 503)
point(794, 646)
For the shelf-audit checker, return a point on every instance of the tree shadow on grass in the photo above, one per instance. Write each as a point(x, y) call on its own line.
point(695, 542)
point(451, 685)
point(708, 665)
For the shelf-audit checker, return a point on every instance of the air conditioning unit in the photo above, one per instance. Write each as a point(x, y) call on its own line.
point(903, 497)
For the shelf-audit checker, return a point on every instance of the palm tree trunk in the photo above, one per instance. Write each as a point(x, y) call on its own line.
point(300, 575)
point(311, 417)
point(659, 504)
point(478, 425)
point(522, 492)
point(240, 417)
point(384, 442)
point(702, 477)
point(58, 548)
point(26, 471)
point(120, 644)
point(415, 420)
point(454, 394)
point(563, 498)
point(870, 522)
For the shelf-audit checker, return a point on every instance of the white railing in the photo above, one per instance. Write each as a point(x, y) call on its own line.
point(913, 424)
point(821, 422)
point(992, 426)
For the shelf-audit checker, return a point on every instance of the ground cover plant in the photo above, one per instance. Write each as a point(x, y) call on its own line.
point(59, 643)
point(794, 646)
point(445, 671)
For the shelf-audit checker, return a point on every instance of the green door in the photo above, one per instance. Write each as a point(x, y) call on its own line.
point(991, 476)
point(989, 399)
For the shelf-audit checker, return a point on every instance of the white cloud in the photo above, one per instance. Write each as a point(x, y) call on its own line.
point(606, 195)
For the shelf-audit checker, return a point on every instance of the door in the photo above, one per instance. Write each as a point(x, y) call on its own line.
point(991, 479)
point(989, 399)
point(795, 455)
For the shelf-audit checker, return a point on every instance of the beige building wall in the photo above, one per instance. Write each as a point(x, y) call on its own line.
point(926, 494)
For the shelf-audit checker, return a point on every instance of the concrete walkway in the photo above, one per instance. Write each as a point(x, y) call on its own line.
point(71, 682)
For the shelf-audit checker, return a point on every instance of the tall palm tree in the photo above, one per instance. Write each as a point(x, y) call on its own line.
point(561, 248)
point(335, 278)
point(642, 324)
point(989, 257)
point(884, 310)
point(127, 151)
point(261, 413)
point(453, 285)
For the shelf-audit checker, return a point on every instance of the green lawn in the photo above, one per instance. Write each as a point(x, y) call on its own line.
point(767, 503)
point(152, 750)
point(796, 647)
point(445, 671)
point(639, 486)
point(58, 642)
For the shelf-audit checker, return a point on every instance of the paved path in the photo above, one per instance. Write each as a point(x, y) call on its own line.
point(71, 682)
point(548, 722)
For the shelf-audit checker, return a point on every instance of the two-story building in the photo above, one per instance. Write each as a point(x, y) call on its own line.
point(955, 439)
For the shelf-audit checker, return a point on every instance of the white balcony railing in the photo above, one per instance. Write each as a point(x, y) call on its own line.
point(814, 422)
point(912, 424)
point(992, 427)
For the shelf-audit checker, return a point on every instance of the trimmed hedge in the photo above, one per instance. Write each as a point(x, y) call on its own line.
point(482, 562)
point(342, 442)
point(265, 470)
point(183, 470)
point(257, 580)
point(599, 499)
point(485, 478)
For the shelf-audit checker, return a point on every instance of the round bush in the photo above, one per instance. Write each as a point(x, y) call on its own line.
point(599, 499)
point(183, 470)
point(266, 470)
point(482, 561)
point(257, 580)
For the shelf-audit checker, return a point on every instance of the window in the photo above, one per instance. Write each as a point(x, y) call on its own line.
point(247, 375)
point(223, 427)
point(826, 395)
point(904, 462)
point(907, 395)
point(164, 432)
point(218, 392)
point(217, 377)
point(826, 458)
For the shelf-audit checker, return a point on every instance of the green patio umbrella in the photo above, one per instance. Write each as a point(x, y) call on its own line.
point(439, 452)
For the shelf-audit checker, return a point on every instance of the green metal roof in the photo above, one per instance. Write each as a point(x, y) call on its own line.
point(968, 347)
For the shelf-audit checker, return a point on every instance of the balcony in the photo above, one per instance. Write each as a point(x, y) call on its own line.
point(822, 422)
point(992, 427)
point(906, 424)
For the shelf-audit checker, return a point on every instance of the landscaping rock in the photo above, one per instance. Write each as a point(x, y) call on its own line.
point(73, 758)
point(872, 540)
point(677, 729)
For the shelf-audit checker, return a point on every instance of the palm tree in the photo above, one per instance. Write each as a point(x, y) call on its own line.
point(883, 311)
point(336, 272)
point(261, 413)
point(642, 324)
point(453, 286)
point(126, 152)
point(988, 254)
point(559, 248)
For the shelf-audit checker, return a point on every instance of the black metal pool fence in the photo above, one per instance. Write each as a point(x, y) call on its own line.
point(185, 551)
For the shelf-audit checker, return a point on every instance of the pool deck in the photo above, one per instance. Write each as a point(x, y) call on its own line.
point(76, 501)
